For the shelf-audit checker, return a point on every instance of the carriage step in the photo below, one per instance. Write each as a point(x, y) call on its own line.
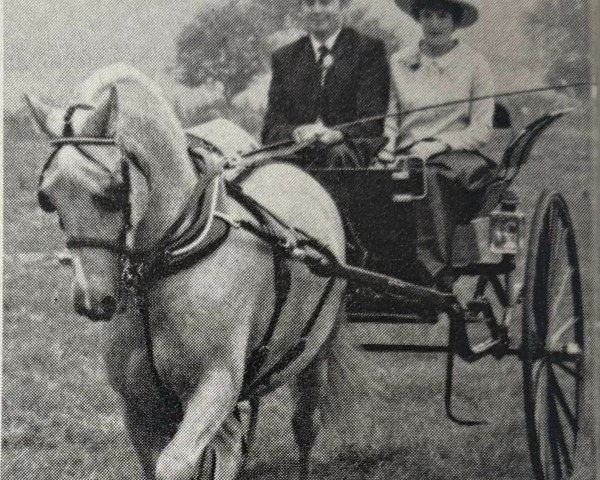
point(393, 318)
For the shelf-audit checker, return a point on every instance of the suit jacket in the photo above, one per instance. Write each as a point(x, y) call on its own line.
point(357, 86)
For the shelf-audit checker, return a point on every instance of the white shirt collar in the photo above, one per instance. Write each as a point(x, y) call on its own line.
point(412, 57)
point(329, 43)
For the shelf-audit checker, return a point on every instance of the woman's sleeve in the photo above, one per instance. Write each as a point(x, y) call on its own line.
point(477, 134)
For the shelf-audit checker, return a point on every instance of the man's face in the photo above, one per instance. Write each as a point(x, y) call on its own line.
point(321, 17)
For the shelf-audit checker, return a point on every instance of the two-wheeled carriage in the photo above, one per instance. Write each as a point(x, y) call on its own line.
point(100, 198)
point(489, 249)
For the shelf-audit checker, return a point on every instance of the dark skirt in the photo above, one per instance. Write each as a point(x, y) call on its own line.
point(456, 185)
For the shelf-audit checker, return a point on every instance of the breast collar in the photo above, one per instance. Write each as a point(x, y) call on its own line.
point(184, 245)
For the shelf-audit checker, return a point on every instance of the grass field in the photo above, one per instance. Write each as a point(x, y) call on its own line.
point(61, 420)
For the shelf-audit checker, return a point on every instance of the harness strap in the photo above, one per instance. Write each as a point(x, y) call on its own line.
point(258, 385)
point(282, 289)
point(254, 383)
point(95, 243)
point(236, 192)
point(171, 407)
point(283, 282)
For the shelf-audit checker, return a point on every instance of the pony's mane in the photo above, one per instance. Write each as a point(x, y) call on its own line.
point(147, 126)
point(120, 73)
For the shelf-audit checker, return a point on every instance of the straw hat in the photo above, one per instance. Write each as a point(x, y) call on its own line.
point(468, 17)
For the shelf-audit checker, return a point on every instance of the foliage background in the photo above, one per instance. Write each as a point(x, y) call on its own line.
point(61, 420)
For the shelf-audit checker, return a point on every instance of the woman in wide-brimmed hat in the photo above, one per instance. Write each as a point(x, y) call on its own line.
point(438, 69)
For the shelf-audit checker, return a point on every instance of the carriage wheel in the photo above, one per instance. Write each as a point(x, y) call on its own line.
point(552, 342)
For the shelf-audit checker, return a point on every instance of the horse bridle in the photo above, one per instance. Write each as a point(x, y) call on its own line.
point(118, 245)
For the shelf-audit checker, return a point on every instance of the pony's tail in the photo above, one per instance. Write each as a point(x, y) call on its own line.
point(355, 383)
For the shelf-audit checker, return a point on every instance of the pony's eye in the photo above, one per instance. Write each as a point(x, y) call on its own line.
point(45, 203)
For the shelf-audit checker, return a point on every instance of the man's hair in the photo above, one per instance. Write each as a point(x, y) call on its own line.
point(343, 3)
point(451, 7)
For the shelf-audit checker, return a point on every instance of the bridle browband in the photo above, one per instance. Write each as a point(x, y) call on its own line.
point(96, 141)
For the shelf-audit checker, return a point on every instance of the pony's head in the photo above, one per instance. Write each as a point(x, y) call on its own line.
point(86, 183)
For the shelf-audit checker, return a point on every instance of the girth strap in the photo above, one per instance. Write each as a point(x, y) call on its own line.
point(260, 383)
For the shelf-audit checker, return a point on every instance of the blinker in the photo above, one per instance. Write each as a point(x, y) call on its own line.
point(45, 204)
point(113, 200)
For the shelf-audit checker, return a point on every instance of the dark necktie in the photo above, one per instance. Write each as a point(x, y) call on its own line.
point(324, 52)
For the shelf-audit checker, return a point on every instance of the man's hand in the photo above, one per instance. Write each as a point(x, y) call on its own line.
point(317, 133)
point(427, 149)
point(329, 136)
point(307, 134)
point(384, 160)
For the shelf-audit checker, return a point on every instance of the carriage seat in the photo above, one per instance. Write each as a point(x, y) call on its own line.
point(221, 137)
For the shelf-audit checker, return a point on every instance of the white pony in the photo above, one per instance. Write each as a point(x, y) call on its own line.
point(205, 320)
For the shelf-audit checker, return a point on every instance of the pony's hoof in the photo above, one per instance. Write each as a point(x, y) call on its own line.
point(169, 468)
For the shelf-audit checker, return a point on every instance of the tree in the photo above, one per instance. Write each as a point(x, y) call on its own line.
point(231, 44)
point(228, 44)
point(560, 31)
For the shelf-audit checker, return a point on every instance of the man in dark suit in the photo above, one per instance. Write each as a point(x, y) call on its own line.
point(332, 76)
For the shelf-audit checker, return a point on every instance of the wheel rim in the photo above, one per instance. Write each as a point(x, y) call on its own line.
point(553, 343)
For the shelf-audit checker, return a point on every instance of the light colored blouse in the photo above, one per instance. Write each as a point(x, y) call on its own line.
point(419, 80)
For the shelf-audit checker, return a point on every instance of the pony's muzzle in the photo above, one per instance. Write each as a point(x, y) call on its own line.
point(96, 291)
point(100, 311)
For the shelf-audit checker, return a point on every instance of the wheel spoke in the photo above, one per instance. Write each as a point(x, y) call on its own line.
point(562, 445)
point(562, 401)
point(561, 331)
point(568, 370)
point(563, 286)
point(557, 246)
point(553, 432)
point(558, 436)
point(537, 374)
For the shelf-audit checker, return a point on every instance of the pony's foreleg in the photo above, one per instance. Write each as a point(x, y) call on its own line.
point(146, 439)
point(305, 393)
point(229, 451)
point(207, 410)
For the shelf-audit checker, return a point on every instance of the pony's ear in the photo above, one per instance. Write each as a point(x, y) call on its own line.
point(41, 113)
point(102, 121)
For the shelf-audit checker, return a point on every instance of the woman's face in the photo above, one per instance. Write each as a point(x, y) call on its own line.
point(437, 24)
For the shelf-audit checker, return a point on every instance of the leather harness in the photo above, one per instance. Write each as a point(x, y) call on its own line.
point(205, 234)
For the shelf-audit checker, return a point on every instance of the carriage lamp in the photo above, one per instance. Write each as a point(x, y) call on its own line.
point(507, 232)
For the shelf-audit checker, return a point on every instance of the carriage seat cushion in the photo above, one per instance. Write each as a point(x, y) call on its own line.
point(222, 136)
